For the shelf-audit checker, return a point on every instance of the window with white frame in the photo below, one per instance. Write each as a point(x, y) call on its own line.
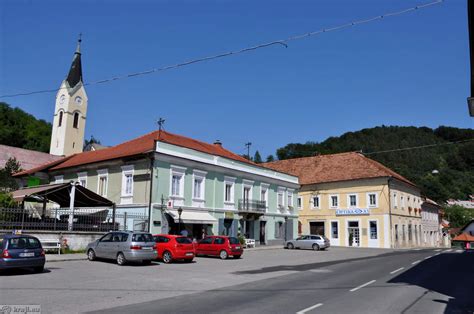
point(402, 201)
point(372, 199)
point(352, 200)
point(373, 229)
point(281, 198)
point(59, 179)
point(199, 181)
point(177, 181)
point(289, 199)
point(264, 193)
point(395, 200)
point(334, 201)
point(334, 229)
point(229, 184)
point(127, 181)
point(247, 191)
point(102, 177)
point(315, 201)
point(299, 203)
point(82, 179)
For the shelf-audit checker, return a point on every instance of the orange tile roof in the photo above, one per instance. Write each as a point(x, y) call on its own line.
point(465, 237)
point(333, 168)
point(138, 146)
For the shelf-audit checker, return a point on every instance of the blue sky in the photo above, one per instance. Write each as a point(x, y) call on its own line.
point(407, 70)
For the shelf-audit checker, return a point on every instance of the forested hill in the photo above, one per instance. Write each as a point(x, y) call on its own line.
point(21, 129)
point(454, 162)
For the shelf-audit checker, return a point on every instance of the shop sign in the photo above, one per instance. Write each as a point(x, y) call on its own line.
point(352, 212)
point(229, 215)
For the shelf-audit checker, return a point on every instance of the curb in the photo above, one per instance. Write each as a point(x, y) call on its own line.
point(66, 258)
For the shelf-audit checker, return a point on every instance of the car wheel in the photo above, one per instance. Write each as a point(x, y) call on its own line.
point(315, 247)
point(167, 257)
point(39, 269)
point(223, 254)
point(290, 246)
point(237, 256)
point(91, 255)
point(121, 259)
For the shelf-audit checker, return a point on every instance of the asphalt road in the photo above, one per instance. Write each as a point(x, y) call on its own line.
point(415, 281)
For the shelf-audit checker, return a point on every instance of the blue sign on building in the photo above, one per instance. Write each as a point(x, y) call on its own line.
point(353, 211)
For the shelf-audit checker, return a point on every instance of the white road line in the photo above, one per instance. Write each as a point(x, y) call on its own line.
point(427, 257)
point(415, 262)
point(437, 253)
point(362, 286)
point(309, 308)
point(393, 272)
point(416, 249)
point(448, 250)
point(458, 251)
point(437, 250)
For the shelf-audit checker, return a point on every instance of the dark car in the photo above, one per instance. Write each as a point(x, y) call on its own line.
point(221, 246)
point(21, 251)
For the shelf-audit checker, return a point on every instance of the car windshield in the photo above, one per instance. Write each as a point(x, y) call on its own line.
point(23, 243)
point(142, 237)
point(233, 240)
point(184, 240)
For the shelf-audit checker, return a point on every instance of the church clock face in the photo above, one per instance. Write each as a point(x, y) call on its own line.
point(78, 100)
point(62, 99)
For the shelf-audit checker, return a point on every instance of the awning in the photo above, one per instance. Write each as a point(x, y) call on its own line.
point(60, 194)
point(192, 217)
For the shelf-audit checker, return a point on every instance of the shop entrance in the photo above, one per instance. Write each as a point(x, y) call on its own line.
point(262, 232)
point(353, 232)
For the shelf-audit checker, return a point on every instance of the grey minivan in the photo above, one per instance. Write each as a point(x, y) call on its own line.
point(311, 242)
point(123, 246)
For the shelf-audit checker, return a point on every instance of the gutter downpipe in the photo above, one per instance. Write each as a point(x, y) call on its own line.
point(152, 163)
point(392, 244)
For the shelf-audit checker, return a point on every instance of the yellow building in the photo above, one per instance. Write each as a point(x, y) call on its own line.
point(355, 201)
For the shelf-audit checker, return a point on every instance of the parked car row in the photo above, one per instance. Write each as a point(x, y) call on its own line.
point(127, 246)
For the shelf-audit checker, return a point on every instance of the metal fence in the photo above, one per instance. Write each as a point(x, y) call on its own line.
point(78, 219)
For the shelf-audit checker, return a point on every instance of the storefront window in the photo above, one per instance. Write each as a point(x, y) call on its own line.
point(373, 230)
point(334, 230)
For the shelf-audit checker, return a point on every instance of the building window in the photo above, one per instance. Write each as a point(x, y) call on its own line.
point(199, 181)
point(82, 178)
point(316, 201)
point(395, 200)
point(229, 190)
point(334, 201)
point(403, 233)
point(177, 182)
point(290, 198)
point(75, 123)
point(197, 188)
point(60, 118)
point(59, 179)
point(299, 202)
point(127, 181)
point(334, 230)
point(352, 200)
point(247, 191)
point(409, 232)
point(264, 194)
point(402, 202)
point(396, 233)
point(280, 198)
point(102, 184)
point(372, 200)
point(373, 230)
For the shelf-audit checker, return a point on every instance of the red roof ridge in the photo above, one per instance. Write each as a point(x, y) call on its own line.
point(309, 157)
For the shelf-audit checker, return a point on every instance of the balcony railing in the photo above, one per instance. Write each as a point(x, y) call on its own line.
point(252, 206)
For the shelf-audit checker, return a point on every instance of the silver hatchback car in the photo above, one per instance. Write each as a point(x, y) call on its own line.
point(123, 246)
point(310, 242)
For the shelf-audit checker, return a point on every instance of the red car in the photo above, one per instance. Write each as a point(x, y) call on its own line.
point(174, 247)
point(220, 246)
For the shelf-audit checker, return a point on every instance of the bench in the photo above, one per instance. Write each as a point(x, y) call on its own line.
point(51, 244)
point(249, 243)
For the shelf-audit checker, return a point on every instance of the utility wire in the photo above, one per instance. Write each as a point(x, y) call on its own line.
point(281, 42)
point(417, 147)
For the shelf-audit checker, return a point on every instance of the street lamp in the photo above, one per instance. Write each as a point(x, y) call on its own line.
point(180, 211)
point(286, 227)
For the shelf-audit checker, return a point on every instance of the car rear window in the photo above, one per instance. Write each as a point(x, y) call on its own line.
point(142, 237)
point(23, 243)
point(233, 240)
point(184, 240)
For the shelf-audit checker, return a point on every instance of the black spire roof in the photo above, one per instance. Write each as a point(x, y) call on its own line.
point(75, 73)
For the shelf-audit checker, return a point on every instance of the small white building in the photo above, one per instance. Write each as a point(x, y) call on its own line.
point(432, 234)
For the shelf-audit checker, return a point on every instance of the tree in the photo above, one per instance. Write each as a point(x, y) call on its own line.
point(257, 158)
point(458, 216)
point(7, 182)
point(270, 158)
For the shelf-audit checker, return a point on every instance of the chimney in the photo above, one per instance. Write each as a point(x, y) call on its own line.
point(217, 142)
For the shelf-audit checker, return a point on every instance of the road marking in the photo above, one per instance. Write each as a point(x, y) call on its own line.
point(416, 249)
point(393, 272)
point(458, 251)
point(362, 286)
point(309, 308)
point(415, 262)
point(437, 250)
point(427, 257)
point(449, 250)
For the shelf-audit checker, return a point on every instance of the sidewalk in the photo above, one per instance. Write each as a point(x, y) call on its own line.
point(65, 257)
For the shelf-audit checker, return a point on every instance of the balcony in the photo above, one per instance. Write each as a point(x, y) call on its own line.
point(252, 206)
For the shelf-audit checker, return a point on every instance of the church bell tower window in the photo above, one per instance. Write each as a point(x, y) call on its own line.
point(60, 118)
point(76, 120)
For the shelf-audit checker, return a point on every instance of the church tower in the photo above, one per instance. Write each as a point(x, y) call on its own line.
point(70, 113)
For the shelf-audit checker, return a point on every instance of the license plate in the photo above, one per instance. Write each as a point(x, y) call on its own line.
point(189, 254)
point(27, 254)
point(237, 247)
point(147, 248)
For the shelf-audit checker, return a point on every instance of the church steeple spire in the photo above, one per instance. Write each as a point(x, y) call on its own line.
point(75, 72)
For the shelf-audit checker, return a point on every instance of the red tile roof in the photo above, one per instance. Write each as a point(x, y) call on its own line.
point(138, 146)
point(333, 168)
point(27, 158)
point(465, 237)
